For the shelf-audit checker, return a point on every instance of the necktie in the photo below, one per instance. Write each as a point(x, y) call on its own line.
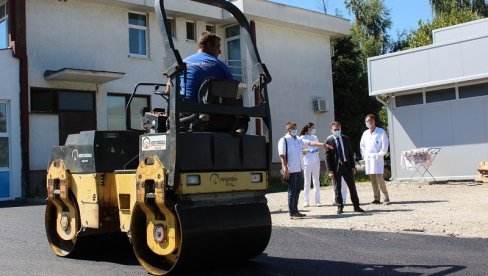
point(339, 149)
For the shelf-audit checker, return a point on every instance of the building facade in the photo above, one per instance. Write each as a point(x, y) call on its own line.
point(83, 58)
point(437, 96)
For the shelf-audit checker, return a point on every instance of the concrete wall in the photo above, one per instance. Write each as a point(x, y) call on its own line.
point(9, 93)
point(298, 78)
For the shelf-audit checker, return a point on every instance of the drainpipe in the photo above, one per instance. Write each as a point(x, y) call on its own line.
point(18, 42)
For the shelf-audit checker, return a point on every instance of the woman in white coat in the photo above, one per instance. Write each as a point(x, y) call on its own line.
point(311, 166)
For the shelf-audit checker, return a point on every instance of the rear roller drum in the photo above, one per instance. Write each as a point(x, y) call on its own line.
point(62, 225)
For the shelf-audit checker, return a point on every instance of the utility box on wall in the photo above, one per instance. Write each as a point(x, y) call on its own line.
point(320, 105)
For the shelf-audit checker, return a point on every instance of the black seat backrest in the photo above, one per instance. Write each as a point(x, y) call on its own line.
point(218, 91)
point(224, 92)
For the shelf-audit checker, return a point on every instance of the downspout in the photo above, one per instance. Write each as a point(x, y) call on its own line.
point(18, 42)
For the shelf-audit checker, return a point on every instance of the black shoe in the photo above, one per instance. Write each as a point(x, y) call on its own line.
point(340, 210)
point(376, 202)
point(297, 215)
point(359, 210)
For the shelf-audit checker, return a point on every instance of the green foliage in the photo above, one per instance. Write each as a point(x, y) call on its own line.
point(370, 27)
point(447, 6)
point(383, 118)
point(349, 65)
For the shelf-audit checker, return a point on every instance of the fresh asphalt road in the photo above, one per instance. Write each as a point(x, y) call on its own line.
point(292, 251)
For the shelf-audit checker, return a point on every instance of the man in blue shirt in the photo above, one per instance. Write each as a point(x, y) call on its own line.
point(202, 65)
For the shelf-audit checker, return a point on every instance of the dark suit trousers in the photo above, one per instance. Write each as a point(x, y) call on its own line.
point(345, 171)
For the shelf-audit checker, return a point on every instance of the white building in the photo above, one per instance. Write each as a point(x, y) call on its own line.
point(437, 96)
point(79, 60)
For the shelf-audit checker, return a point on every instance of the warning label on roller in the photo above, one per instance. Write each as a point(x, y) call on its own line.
point(157, 142)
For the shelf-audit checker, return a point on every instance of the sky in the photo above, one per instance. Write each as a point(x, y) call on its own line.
point(405, 14)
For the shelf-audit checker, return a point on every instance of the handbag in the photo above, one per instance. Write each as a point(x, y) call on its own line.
point(282, 172)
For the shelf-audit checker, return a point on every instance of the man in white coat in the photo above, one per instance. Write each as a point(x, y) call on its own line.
point(374, 146)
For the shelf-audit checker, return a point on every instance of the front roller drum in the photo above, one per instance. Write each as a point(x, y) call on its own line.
point(208, 234)
point(144, 233)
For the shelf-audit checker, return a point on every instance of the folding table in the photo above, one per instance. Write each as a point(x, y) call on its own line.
point(419, 160)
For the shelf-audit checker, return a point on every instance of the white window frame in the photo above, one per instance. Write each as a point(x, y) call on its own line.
point(194, 30)
point(138, 27)
point(243, 65)
point(3, 5)
point(7, 135)
point(173, 27)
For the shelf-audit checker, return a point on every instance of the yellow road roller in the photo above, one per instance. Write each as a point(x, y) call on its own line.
point(189, 188)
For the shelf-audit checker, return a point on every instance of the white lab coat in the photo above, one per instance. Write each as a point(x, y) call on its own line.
point(374, 146)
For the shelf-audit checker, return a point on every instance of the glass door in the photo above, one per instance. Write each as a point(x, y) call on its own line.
point(4, 152)
point(234, 60)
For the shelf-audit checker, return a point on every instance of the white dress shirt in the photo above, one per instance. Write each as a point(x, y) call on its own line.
point(310, 158)
point(295, 145)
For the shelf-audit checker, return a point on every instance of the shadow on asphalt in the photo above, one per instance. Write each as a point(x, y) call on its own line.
point(265, 265)
point(22, 203)
point(118, 250)
point(416, 202)
point(112, 248)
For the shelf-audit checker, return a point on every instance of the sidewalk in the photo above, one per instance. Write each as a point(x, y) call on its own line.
point(453, 209)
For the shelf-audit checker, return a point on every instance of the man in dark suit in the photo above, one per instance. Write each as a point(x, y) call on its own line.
point(340, 163)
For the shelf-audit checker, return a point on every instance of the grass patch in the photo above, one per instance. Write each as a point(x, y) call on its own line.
point(276, 186)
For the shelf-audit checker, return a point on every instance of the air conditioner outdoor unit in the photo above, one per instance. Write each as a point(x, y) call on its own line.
point(320, 105)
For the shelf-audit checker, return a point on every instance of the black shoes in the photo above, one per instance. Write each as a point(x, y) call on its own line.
point(340, 210)
point(359, 210)
point(297, 215)
point(376, 202)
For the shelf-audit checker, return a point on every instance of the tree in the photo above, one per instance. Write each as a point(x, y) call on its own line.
point(447, 6)
point(368, 38)
point(369, 29)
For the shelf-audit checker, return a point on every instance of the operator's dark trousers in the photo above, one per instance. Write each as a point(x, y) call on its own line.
point(294, 186)
point(345, 171)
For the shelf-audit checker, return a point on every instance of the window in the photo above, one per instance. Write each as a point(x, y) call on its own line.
point(43, 101)
point(232, 35)
point(118, 118)
point(210, 28)
point(407, 100)
point(440, 95)
point(4, 151)
point(3, 25)
point(138, 34)
point(53, 101)
point(477, 90)
point(172, 27)
point(190, 31)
